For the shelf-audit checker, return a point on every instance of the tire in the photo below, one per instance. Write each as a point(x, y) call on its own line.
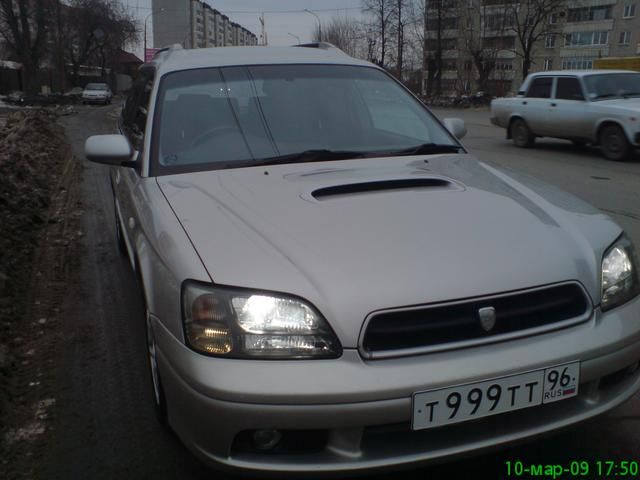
point(520, 133)
point(159, 399)
point(614, 143)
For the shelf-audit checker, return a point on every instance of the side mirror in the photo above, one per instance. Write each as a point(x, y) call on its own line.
point(456, 127)
point(109, 149)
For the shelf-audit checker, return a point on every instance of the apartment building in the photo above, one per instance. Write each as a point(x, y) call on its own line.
point(475, 31)
point(195, 24)
point(588, 30)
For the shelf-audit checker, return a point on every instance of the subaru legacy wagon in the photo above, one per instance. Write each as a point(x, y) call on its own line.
point(332, 283)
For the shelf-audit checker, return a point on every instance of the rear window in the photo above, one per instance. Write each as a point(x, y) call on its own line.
point(96, 86)
point(568, 88)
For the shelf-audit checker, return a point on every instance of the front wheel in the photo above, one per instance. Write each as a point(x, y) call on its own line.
point(614, 143)
point(522, 136)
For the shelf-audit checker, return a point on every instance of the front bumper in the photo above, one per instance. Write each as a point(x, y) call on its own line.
point(362, 409)
point(95, 99)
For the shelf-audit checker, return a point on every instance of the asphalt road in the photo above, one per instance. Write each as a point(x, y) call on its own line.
point(104, 422)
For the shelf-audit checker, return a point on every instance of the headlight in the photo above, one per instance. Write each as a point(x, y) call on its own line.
point(619, 274)
point(238, 323)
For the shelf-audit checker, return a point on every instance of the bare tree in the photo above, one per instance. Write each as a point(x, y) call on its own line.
point(23, 26)
point(345, 33)
point(381, 12)
point(95, 31)
point(531, 23)
point(438, 16)
point(401, 16)
point(484, 38)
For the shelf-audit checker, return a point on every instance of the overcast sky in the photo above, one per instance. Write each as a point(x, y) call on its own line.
point(282, 17)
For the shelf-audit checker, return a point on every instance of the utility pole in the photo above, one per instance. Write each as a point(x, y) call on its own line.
point(263, 36)
point(319, 22)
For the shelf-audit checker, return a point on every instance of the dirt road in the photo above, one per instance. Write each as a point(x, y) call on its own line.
point(104, 425)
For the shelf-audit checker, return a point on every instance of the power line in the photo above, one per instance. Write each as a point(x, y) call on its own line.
point(292, 11)
point(269, 11)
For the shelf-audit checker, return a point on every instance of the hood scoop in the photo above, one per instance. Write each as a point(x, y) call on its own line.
point(432, 183)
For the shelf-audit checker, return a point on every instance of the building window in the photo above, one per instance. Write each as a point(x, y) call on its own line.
point(499, 43)
point(504, 65)
point(577, 39)
point(589, 14)
point(550, 41)
point(553, 19)
point(548, 64)
point(625, 38)
point(629, 10)
point(577, 63)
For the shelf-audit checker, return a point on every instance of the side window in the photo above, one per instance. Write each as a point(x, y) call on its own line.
point(568, 88)
point(134, 114)
point(540, 87)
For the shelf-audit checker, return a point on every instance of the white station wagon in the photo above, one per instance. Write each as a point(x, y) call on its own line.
point(601, 107)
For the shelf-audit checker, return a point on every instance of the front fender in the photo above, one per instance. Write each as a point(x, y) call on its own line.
point(164, 256)
point(629, 131)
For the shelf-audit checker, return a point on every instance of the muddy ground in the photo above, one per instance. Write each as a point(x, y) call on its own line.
point(40, 210)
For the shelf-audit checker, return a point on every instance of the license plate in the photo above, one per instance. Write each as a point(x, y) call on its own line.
point(444, 406)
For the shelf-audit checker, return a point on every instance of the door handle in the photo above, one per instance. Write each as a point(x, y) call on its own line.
point(524, 103)
point(554, 104)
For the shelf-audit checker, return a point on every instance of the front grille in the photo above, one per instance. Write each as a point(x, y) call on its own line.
point(457, 324)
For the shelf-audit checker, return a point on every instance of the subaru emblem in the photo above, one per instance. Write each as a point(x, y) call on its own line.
point(487, 318)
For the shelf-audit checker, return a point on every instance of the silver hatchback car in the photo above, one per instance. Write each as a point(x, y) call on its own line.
point(333, 283)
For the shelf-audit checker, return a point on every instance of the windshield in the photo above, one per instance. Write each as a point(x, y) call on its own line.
point(96, 86)
point(239, 116)
point(612, 85)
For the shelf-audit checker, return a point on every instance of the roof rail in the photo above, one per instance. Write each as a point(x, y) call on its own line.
point(163, 53)
point(321, 46)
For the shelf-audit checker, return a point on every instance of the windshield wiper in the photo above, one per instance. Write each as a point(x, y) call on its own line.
point(320, 155)
point(630, 94)
point(427, 149)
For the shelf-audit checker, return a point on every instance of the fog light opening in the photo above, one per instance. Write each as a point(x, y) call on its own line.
point(266, 439)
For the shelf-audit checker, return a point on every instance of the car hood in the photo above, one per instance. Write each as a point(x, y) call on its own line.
point(357, 236)
point(620, 103)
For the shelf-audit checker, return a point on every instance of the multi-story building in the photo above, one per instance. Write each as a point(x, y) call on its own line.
point(479, 32)
point(589, 30)
point(195, 24)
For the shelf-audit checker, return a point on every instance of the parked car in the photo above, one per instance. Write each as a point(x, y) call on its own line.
point(600, 107)
point(332, 283)
point(97, 93)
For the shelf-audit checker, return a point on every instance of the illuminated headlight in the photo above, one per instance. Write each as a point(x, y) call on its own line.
point(239, 323)
point(619, 274)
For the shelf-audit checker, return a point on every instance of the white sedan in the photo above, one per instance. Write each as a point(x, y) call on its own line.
point(601, 107)
point(97, 93)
